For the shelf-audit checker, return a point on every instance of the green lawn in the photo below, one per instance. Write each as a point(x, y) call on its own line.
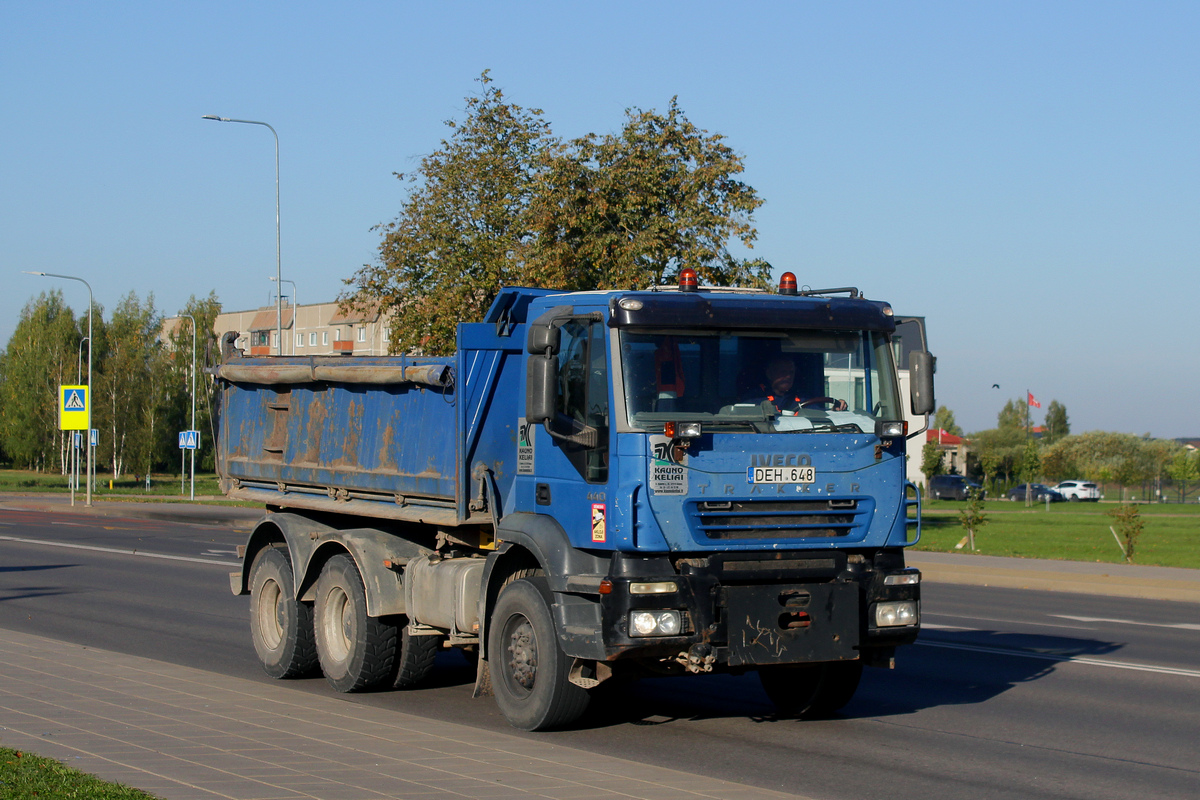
point(1069, 531)
point(164, 484)
point(24, 776)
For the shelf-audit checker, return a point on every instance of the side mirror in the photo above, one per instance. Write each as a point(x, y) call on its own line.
point(541, 387)
point(920, 376)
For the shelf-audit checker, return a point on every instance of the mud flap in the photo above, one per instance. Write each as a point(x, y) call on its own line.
point(789, 624)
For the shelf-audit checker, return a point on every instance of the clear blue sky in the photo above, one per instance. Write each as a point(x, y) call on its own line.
point(1026, 175)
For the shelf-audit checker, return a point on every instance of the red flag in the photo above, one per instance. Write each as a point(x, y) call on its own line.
point(1033, 403)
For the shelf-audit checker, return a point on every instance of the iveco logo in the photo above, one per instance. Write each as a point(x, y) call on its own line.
point(781, 460)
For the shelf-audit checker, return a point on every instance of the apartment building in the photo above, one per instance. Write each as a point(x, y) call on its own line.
point(315, 330)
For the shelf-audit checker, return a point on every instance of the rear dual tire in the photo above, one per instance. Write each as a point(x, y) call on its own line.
point(281, 626)
point(357, 652)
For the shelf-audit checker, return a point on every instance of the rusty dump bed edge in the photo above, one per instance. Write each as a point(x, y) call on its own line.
point(378, 509)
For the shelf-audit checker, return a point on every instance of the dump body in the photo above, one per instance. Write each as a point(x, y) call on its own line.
point(630, 462)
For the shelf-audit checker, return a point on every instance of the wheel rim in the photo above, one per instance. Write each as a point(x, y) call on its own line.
point(522, 654)
point(270, 613)
point(338, 623)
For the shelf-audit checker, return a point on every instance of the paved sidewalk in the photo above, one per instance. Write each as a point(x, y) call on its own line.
point(186, 734)
point(1083, 577)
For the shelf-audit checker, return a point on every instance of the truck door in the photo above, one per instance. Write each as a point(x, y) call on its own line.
point(573, 479)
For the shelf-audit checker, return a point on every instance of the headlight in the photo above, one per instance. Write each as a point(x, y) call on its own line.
point(654, 623)
point(892, 615)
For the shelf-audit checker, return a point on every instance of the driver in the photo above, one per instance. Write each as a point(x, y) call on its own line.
point(780, 375)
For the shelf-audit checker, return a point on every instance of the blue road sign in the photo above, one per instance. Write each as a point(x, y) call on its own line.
point(189, 440)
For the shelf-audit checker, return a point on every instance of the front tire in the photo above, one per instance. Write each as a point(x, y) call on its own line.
point(529, 671)
point(280, 625)
point(357, 652)
point(811, 691)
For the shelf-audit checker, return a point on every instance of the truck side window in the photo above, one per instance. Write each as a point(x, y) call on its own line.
point(583, 394)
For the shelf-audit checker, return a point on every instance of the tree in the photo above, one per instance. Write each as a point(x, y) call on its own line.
point(504, 202)
point(1029, 467)
point(460, 235)
point(128, 395)
point(972, 517)
point(1130, 523)
point(1015, 414)
point(1183, 469)
point(41, 355)
point(178, 397)
point(635, 208)
point(931, 460)
point(944, 420)
point(1056, 423)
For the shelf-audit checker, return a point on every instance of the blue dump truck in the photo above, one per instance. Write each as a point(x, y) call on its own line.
point(595, 485)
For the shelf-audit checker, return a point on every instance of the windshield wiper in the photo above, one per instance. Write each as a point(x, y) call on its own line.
point(829, 427)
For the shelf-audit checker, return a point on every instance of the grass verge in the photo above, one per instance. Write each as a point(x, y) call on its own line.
point(1068, 531)
point(126, 487)
point(24, 776)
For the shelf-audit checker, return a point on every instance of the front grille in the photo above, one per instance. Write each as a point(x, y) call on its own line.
point(775, 519)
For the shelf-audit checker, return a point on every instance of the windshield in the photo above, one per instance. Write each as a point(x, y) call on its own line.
point(759, 381)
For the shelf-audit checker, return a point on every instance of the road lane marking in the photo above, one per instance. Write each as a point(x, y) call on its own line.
point(1094, 662)
point(1186, 626)
point(118, 551)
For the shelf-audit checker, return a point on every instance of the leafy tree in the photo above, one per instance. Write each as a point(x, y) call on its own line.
point(40, 356)
point(634, 208)
point(972, 517)
point(1029, 466)
point(1014, 415)
point(460, 234)
point(944, 420)
point(1183, 469)
point(128, 391)
point(1058, 462)
point(504, 202)
point(931, 460)
point(999, 451)
point(178, 398)
point(1056, 423)
point(1130, 523)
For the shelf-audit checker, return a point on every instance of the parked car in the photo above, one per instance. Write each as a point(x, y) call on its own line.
point(1038, 492)
point(952, 487)
point(1079, 490)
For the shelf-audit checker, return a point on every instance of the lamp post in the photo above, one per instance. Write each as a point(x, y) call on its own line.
point(295, 311)
point(91, 397)
point(278, 271)
point(193, 319)
point(74, 448)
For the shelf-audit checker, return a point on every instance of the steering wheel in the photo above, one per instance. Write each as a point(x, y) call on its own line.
point(821, 401)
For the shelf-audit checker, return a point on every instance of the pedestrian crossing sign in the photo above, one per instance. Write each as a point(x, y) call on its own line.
point(189, 440)
point(72, 408)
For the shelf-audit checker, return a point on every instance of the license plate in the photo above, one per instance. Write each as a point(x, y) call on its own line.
point(781, 474)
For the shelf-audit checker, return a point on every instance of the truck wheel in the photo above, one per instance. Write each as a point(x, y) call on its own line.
point(529, 670)
point(357, 652)
point(811, 691)
point(280, 625)
point(415, 659)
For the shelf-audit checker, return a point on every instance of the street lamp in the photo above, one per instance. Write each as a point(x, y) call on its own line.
point(278, 271)
point(193, 319)
point(295, 311)
point(91, 394)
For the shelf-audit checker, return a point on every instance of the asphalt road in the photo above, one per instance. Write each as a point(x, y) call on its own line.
point(1009, 693)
